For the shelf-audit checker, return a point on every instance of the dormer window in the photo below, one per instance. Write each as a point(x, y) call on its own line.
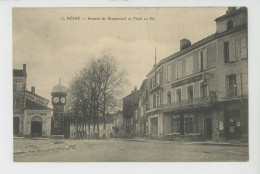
point(229, 24)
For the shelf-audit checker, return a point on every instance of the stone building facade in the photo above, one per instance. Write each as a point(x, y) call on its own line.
point(31, 116)
point(130, 112)
point(201, 92)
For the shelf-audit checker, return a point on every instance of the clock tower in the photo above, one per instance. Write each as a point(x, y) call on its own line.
point(59, 94)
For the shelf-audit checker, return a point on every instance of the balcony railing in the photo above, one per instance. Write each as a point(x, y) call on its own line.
point(186, 104)
point(190, 103)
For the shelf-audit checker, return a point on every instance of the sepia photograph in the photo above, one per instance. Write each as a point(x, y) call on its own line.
point(131, 84)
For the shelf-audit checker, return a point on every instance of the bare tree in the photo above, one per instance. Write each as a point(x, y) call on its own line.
point(95, 91)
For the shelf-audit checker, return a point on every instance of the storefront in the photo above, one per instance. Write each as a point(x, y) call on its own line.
point(236, 120)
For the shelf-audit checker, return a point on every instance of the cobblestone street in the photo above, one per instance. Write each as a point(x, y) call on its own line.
point(125, 150)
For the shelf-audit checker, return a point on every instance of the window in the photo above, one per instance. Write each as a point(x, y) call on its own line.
point(243, 47)
point(158, 74)
point(161, 76)
point(203, 60)
point(18, 86)
point(153, 82)
point(154, 100)
point(18, 103)
point(203, 89)
point(229, 24)
point(158, 99)
point(188, 123)
point(176, 124)
point(166, 73)
point(231, 85)
point(190, 92)
point(179, 69)
point(226, 52)
point(189, 66)
point(169, 97)
point(169, 73)
point(178, 92)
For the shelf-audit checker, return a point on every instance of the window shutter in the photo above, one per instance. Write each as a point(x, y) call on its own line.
point(174, 71)
point(191, 65)
point(183, 68)
point(232, 50)
point(169, 73)
point(164, 74)
point(179, 69)
point(188, 66)
point(199, 63)
point(223, 88)
point(243, 47)
point(205, 59)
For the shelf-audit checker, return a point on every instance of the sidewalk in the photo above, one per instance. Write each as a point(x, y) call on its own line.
point(223, 143)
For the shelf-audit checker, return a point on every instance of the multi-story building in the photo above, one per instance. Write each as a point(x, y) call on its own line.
point(31, 116)
point(201, 92)
point(19, 89)
point(130, 107)
point(141, 119)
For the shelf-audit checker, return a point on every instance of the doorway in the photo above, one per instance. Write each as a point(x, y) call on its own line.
point(36, 126)
point(154, 125)
point(16, 126)
point(233, 124)
point(208, 128)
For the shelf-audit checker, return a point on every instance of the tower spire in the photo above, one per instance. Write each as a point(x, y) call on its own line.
point(59, 80)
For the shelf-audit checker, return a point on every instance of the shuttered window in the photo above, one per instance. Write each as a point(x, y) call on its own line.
point(231, 85)
point(179, 69)
point(243, 47)
point(226, 52)
point(169, 72)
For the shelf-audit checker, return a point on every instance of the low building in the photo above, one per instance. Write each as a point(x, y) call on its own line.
point(31, 115)
point(111, 129)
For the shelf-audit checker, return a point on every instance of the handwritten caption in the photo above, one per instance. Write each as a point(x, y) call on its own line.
point(78, 18)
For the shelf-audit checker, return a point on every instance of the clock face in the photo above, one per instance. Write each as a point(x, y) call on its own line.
point(63, 100)
point(55, 99)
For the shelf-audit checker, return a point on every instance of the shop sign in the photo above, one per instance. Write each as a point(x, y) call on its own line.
point(187, 81)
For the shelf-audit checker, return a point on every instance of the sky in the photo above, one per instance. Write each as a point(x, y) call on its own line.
point(54, 48)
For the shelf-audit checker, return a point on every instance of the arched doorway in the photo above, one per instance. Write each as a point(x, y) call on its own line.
point(36, 126)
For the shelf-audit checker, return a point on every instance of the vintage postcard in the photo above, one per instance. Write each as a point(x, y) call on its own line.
point(130, 84)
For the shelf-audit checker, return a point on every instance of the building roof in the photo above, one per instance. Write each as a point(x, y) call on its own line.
point(36, 95)
point(179, 53)
point(233, 13)
point(204, 40)
point(36, 102)
point(133, 95)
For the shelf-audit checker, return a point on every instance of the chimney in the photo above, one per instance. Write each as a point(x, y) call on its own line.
point(135, 88)
point(231, 9)
point(184, 43)
point(24, 67)
point(33, 89)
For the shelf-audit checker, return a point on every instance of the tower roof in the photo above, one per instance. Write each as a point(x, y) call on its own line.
point(59, 89)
